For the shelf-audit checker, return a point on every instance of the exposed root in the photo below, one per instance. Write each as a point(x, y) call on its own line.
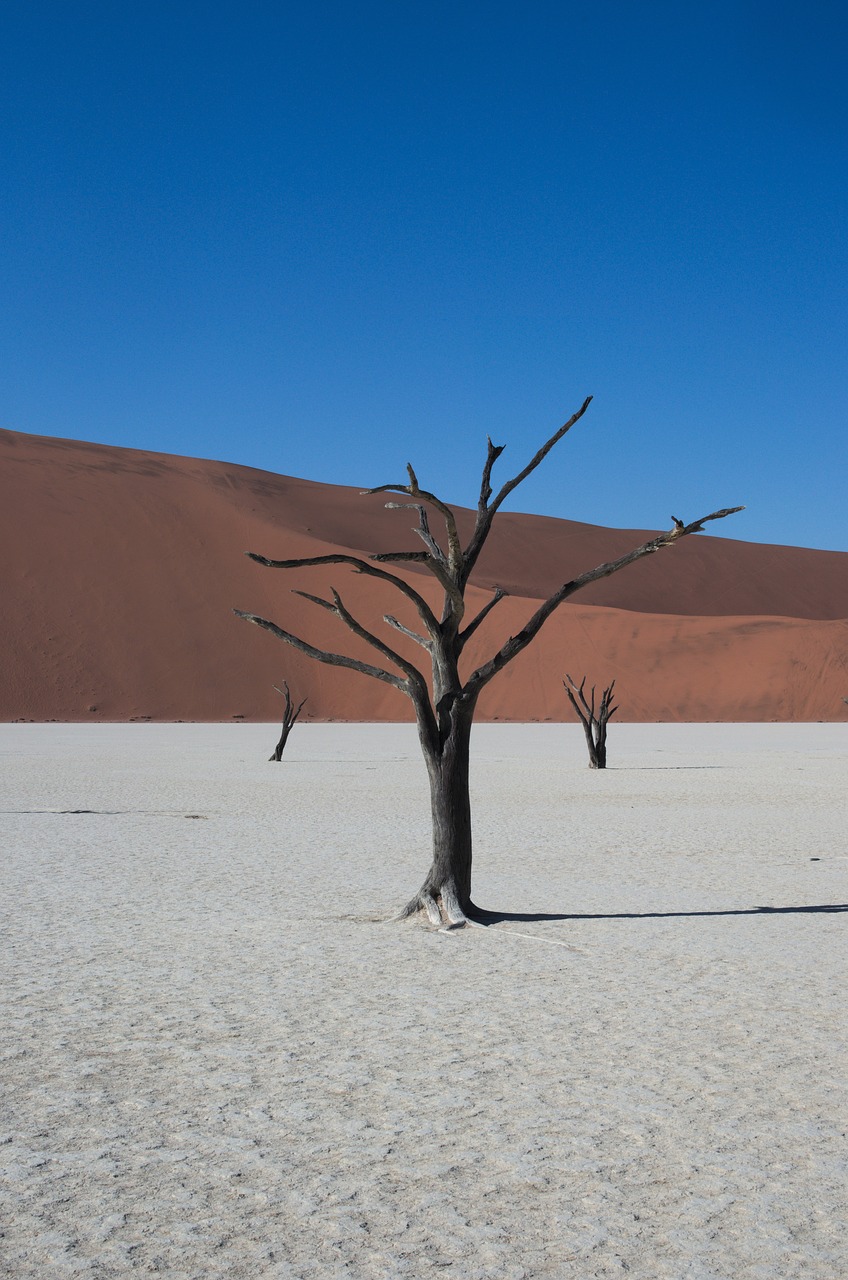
point(443, 909)
point(445, 914)
point(431, 906)
point(451, 909)
point(411, 909)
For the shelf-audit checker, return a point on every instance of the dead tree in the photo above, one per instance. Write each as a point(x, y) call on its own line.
point(445, 701)
point(594, 723)
point(289, 721)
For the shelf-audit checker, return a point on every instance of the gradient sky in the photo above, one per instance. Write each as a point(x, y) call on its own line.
point(325, 240)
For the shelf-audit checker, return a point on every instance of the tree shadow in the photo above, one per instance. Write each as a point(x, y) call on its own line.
point(538, 917)
point(657, 768)
point(107, 813)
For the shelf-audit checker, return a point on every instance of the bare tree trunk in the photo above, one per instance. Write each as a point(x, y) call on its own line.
point(281, 745)
point(446, 892)
point(597, 750)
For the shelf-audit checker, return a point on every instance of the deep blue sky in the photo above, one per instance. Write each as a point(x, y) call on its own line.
point(326, 239)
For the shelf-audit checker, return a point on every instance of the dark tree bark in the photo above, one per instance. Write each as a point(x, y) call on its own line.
point(448, 881)
point(594, 723)
point(445, 703)
point(289, 720)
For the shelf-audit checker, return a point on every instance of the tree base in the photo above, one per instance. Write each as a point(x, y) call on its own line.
point(443, 909)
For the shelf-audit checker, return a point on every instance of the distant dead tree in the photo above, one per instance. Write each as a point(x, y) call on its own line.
point(445, 701)
point(594, 722)
point(289, 720)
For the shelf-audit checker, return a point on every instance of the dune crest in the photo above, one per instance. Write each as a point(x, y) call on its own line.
point(121, 568)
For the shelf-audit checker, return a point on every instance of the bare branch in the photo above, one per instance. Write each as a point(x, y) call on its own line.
point(494, 452)
point(577, 700)
point(290, 716)
point(364, 566)
point(516, 644)
point(436, 561)
point(412, 673)
point(415, 491)
point(439, 570)
point(484, 613)
point(413, 635)
point(319, 600)
point(486, 510)
point(538, 457)
point(584, 708)
point(576, 695)
point(454, 545)
point(401, 557)
point(423, 529)
point(384, 488)
point(321, 655)
point(337, 607)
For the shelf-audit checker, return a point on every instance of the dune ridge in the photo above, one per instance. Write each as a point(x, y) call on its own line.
point(122, 567)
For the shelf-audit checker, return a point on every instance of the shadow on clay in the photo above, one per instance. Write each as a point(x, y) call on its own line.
point(538, 917)
point(109, 813)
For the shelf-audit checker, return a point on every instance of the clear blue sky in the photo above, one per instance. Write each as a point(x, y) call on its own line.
point(326, 239)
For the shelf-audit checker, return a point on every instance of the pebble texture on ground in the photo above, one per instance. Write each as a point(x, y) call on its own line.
point(219, 1060)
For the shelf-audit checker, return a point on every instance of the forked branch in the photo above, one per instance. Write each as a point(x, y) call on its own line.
point(415, 491)
point(465, 635)
point(392, 621)
point(337, 607)
point(422, 529)
point(439, 568)
point(487, 510)
point(291, 713)
point(322, 655)
point(516, 644)
point(364, 566)
point(538, 457)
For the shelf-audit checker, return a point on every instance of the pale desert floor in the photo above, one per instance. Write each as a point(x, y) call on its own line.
point(218, 1060)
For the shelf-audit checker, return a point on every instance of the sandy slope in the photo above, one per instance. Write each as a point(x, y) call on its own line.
point(121, 569)
point(217, 1063)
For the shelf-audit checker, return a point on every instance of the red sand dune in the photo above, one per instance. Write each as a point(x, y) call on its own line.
point(121, 569)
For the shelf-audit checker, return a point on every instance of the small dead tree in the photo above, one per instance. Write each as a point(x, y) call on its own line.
point(594, 723)
point(289, 721)
point(445, 700)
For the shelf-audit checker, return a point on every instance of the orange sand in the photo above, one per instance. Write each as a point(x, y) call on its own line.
point(121, 569)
